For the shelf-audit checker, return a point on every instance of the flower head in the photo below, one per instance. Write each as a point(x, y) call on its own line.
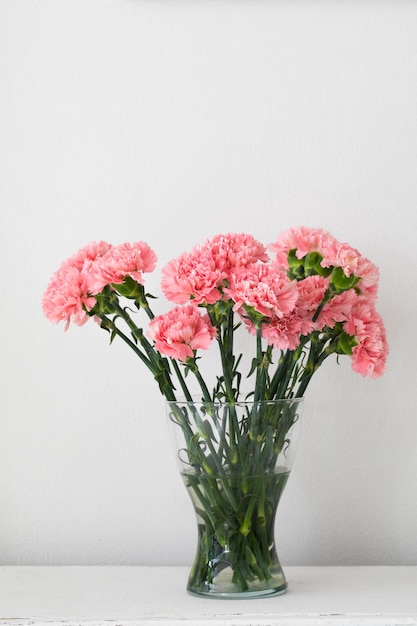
point(303, 240)
point(181, 331)
point(201, 275)
point(233, 251)
point(284, 333)
point(337, 309)
point(331, 254)
point(193, 276)
point(67, 297)
point(262, 289)
point(371, 352)
point(311, 292)
point(336, 254)
point(91, 252)
point(121, 261)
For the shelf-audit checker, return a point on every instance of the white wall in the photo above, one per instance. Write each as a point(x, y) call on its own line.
point(171, 121)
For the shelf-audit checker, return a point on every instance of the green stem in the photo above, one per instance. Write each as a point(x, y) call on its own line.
point(137, 333)
point(261, 372)
point(230, 395)
point(206, 393)
point(147, 309)
point(182, 382)
point(315, 363)
point(156, 363)
point(281, 379)
point(234, 451)
point(109, 324)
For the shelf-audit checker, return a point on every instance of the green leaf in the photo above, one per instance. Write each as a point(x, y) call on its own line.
point(295, 266)
point(129, 288)
point(346, 344)
point(312, 262)
point(253, 367)
point(339, 282)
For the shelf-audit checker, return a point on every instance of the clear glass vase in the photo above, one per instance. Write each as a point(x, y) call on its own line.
point(235, 460)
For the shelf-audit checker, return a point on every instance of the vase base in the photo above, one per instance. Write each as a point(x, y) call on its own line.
point(239, 595)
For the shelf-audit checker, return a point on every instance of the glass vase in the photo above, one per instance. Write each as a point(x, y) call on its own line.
point(235, 460)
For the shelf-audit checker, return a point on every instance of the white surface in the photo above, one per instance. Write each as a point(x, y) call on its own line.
point(170, 121)
point(355, 595)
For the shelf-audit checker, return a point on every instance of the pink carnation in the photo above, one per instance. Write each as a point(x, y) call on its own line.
point(335, 254)
point(311, 292)
point(236, 250)
point(369, 274)
point(366, 325)
point(284, 333)
point(303, 240)
point(181, 331)
point(193, 276)
point(125, 260)
point(337, 309)
point(265, 290)
point(67, 296)
point(90, 252)
point(342, 255)
point(201, 274)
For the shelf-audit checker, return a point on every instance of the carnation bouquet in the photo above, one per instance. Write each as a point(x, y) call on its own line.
point(310, 298)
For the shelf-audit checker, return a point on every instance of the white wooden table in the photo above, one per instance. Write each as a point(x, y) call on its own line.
point(141, 596)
